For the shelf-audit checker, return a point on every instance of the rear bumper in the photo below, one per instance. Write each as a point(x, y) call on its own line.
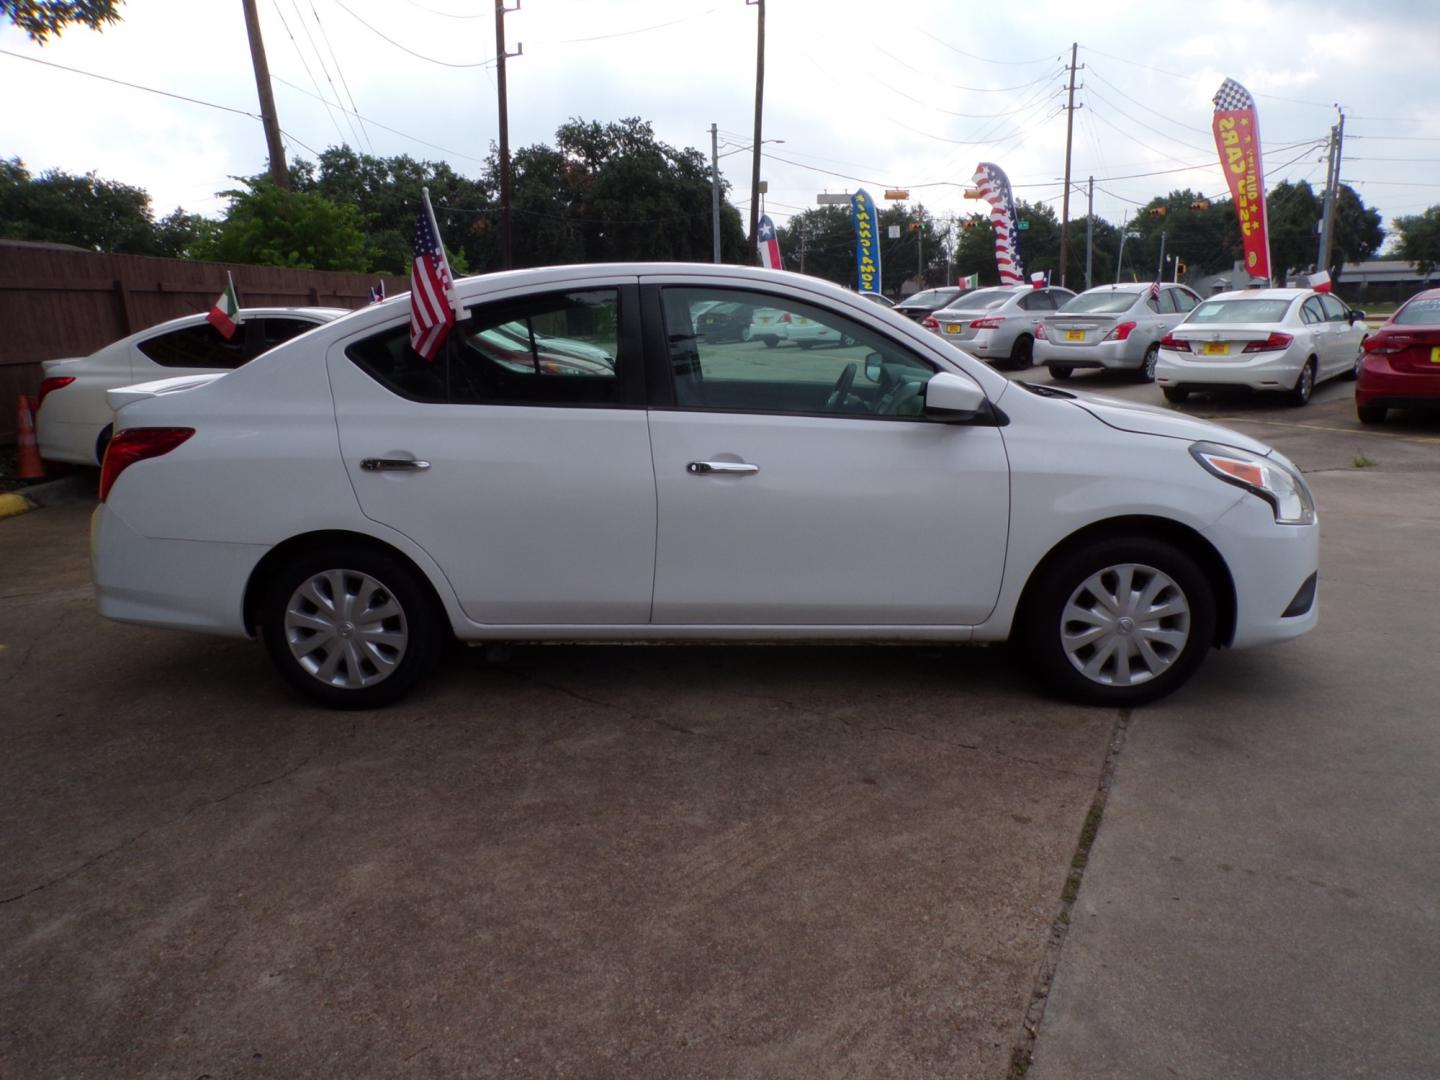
point(178, 584)
point(1111, 355)
point(1381, 384)
point(1262, 371)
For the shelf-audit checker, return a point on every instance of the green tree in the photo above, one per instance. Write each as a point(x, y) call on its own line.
point(82, 210)
point(42, 18)
point(268, 226)
point(1358, 232)
point(179, 235)
point(1420, 238)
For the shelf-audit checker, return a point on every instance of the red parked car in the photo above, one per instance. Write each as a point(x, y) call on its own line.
point(1401, 365)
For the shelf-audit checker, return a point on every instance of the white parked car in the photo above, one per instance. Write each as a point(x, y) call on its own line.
point(72, 421)
point(774, 326)
point(998, 324)
point(1262, 339)
point(354, 505)
point(1114, 327)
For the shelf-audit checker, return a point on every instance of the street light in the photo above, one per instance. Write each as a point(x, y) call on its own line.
point(715, 157)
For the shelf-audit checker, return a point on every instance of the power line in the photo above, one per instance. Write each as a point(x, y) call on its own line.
point(628, 33)
point(984, 59)
point(324, 68)
point(339, 71)
point(1095, 74)
point(406, 49)
point(133, 86)
point(306, 66)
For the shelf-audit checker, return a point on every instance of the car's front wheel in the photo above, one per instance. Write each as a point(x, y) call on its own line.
point(352, 627)
point(1119, 621)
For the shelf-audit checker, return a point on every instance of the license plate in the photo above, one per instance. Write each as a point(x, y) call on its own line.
point(1435, 355)
point(1074, 335)
point(1214, 348)
point(954, 327)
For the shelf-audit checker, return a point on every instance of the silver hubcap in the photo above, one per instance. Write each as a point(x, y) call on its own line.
point(346, 629)
point(1125, 625)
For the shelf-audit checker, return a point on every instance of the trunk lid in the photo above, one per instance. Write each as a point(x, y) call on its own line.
point(128, 395)
point(1410, 349)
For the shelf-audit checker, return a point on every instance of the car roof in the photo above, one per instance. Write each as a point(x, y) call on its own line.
point(1262, 294)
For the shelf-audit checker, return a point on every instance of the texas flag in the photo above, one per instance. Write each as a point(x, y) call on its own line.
point(768, 243)
point(1320, 282)
point(1040, 279)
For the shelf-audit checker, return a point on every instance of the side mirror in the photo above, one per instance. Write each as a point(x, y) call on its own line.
point(953, 397)
point(1356, 315)
point(872, 366)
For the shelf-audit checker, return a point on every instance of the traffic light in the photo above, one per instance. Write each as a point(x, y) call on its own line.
point(919, 226)
point(1157, 211)
point(1180, 268)
point(1200, 204)
point(968, 225)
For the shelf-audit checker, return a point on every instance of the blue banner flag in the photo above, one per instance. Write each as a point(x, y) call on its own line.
point(867, 242)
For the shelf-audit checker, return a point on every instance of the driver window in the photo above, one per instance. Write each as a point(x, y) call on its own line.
point(738, 351)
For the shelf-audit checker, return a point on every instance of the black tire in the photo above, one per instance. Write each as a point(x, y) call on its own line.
point(1175, 395)
point(1146, 372)
point(1371, 414)
point(1304, 387)
point(362, 655)
point(1354, 372)
point(770, 341)
point(102, 442)
point(1177, 642)
point(1060, 374)
point(1022, 353)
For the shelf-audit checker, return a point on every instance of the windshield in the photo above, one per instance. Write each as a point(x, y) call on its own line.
point(983, 298)
point(1108, 302)
point(1420, 313)
point(932, 298)
point(1240, 311)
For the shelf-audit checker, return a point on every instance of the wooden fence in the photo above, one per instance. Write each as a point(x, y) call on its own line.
point(57, 301)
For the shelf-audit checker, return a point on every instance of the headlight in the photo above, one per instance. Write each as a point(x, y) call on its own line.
point(1276, 482)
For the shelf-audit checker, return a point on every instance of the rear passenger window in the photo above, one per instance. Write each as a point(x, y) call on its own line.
point(266, 333)
point(199, 346)
point(561, 349)
point(1185, 300)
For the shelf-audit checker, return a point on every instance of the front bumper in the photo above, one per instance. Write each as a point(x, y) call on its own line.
point(1270, 565)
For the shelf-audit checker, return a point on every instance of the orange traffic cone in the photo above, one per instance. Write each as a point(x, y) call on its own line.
point(28, 465)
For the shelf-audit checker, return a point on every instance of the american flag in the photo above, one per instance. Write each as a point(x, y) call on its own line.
point(768, 243)
point(994, 188)
point(377, 292)
point(432, 289)
point(1155, 289)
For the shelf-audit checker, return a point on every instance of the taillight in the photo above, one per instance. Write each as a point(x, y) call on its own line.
point(1121, 331)
point(1275, 341)
point(1380, 343)
point(1170, 341)
point(929, 323)
point(991, 322)
point(47, 386)
point(1040, 332)
point(785, 317)
point(137, 444)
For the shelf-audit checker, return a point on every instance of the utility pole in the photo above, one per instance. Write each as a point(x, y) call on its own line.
point(715, 191)
point(1090, 234)
point(1332, 194)
point(279, 174)
point(1160, 270)
point(759, 109)
point(1069, 132)
point(920, 255)
point(506, 256)
point(1124, 232)
point(800, 228)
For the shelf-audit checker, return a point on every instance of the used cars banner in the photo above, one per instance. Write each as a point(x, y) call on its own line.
point(1237, 137)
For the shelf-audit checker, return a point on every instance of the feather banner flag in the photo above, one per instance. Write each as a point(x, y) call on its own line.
point(867, 242)
point(994, 187)
point(769, 244)
point(1237, 137)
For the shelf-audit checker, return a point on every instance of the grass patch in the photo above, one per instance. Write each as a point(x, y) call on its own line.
point(1360, 461)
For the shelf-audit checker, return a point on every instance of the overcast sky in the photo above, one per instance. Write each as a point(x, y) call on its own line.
point(863, 93)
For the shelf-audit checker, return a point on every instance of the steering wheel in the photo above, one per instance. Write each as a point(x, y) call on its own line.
point(836, 401)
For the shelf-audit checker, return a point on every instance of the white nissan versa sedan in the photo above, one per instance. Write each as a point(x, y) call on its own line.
point(353, 505)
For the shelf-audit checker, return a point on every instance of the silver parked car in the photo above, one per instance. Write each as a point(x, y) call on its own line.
point(1115, 327)
point(998, 325)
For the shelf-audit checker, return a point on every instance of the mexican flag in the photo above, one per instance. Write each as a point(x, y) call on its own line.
point(969, 281)
point(225, 314)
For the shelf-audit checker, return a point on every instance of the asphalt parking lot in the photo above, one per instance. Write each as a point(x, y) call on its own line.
point(736, 862)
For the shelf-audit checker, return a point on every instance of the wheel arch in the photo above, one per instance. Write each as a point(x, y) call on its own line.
point(319, 541)
point(1151, 528)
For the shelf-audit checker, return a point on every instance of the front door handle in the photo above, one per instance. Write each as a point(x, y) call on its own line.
point(700, 468)
point(380, 464)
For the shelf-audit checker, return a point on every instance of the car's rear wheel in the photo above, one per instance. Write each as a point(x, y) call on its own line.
point(1022, 353)
point(1371, 414)
point(352, 627)
point(1119, 621)
point(1058, 373)
point(1175, 395)
point(102, 443)
point(1304, 385)
point(1146, 373)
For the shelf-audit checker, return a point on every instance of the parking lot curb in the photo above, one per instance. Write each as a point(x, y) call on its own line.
point(12, 505)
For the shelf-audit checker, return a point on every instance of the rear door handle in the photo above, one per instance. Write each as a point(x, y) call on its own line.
point(380, 464)
point(700, 468)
